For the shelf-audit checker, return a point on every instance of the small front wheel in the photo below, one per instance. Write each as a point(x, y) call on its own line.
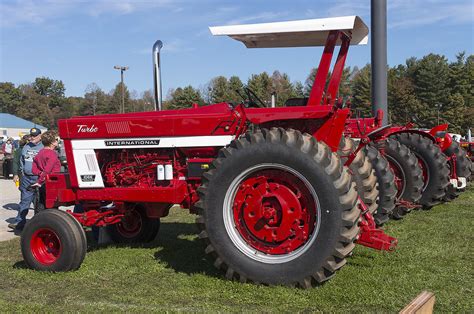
point(53, 241)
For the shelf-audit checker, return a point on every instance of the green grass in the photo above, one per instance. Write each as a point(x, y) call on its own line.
point(172, 274)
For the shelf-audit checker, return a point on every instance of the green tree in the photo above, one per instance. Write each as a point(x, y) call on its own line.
point(35, 107)
point(94, 99)
point(298, 89)
point(10, 98)
point(453, 113)
point(115, 103)
point(184, 98)
point(308, 84)
point(361, 88)
point(53, 89)
point(147, 101)
point(219, 90)
point(283, 88)
point(431, 82)
point(261, 85)
point(403, 105)
point(236, 89)
point(469, 98)
point(344, 88)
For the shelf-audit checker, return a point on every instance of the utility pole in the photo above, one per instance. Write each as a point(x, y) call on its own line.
point(378, 22)
point(122, 69)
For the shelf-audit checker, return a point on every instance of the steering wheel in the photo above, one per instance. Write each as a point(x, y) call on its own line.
point(253, 100)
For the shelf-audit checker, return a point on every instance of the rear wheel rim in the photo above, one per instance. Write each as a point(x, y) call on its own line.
point(400, 176)
point(425, 171)
point(46, 246)
point(131, 224)
point(271, 213)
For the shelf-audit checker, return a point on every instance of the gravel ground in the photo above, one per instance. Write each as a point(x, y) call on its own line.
point(9, 199)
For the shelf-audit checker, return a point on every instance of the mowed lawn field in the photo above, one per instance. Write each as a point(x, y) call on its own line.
point(435, 253)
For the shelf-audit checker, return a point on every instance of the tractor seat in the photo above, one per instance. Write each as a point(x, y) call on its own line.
point(294, 102)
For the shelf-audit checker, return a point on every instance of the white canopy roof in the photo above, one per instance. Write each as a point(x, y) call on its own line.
point(302, 33)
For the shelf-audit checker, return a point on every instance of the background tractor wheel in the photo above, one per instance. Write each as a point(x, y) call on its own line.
point(362, 173)
point(135, 227)
point(278, 208)
point(53, 240)
point(463, 165)
point(386, 185)
point(408, 173)
point(434, 166)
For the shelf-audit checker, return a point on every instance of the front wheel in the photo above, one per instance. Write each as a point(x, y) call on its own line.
point(278, 208)
point(53, 240)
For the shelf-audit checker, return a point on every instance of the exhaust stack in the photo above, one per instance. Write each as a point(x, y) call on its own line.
point(157, 74)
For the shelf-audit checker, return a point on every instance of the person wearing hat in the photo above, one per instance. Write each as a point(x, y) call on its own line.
point(28, 153)
point(8, 148)
point(16, 159)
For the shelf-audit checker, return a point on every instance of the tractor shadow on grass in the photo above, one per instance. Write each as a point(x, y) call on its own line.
point(178, 246)
point(20, 265)
point(182, 250)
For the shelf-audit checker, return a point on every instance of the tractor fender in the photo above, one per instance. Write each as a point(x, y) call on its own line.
point(422, 133)
point(436, 135)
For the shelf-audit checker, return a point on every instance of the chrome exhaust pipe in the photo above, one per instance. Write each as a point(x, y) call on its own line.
point(157, 74)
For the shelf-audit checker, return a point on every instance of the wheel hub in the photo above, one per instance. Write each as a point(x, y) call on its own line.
point(45, 246)
point(131, 224)
point(271, 213)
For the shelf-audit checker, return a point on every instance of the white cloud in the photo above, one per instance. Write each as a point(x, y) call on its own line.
point(260, 17)
point(30, 11)
point(20, 12)
point(405, 14)
point(122, 7)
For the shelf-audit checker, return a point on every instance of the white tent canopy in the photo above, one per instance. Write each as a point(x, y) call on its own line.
point(302, 33)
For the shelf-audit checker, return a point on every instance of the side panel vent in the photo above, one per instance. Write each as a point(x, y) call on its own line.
point(91, 163)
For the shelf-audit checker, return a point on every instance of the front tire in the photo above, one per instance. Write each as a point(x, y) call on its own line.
point(278, 208)
point(53, 240)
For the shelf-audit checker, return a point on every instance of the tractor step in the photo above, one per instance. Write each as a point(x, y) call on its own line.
point(370, 235)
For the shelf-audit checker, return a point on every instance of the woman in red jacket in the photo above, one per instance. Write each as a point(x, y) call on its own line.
point(47, 161)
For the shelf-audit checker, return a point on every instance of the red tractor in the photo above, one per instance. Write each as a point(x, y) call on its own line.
point(275, 203)
point(428, 166)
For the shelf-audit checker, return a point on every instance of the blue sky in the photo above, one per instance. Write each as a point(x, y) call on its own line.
point(79, 42)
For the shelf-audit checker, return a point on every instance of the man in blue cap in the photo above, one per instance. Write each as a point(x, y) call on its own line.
point(28, 153)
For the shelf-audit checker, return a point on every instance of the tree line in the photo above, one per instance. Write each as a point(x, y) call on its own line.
point(426, 91)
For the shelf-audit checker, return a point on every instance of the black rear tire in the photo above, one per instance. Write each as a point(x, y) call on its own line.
point(53, 240)
point(408, 173)
point(362, 173)
point(324, 250)
point(463, 165)
point(386, 185)
point(434, 163)
point(136, 227)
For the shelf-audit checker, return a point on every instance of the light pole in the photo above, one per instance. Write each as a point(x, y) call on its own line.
point(122, 69)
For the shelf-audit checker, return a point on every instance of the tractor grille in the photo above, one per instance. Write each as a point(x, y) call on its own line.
point(116, 127)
